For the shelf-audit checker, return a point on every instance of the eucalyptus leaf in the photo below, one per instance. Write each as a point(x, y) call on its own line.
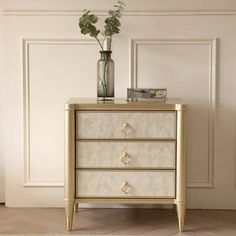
point(93, 18)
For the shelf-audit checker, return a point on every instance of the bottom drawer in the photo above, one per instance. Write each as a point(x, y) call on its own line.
point(116, 184)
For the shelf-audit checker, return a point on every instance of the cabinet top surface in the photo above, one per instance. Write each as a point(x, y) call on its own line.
point(123, 104)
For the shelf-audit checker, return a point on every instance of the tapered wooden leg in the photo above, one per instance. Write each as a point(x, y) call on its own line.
point(181, 161)
point(69, 208)
point(76, 207)
point(69, 167)
point(181, 216)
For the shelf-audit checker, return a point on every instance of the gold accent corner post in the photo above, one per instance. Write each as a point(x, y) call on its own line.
point(181, 166)
point(69, 166)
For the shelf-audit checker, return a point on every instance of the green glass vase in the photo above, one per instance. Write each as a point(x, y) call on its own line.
point(105, 76)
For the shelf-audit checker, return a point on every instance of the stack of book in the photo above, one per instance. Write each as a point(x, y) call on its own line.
point(159, 94)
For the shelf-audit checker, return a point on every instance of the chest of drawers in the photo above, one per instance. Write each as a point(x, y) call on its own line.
point(125, 152)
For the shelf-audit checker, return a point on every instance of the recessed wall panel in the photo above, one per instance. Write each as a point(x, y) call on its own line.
point(183, 67)
point(56, 72)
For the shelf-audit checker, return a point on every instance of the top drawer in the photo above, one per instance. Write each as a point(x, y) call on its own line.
point(128, 125)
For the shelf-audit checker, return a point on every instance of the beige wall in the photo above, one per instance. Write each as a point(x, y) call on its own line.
point(131, 4)
point(188, 47)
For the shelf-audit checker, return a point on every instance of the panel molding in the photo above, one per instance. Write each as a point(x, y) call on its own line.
point(27, 180)
point(212, 43)
point(78, 12)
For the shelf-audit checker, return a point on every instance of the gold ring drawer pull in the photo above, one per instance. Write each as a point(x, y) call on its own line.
point(125, 158)
point(126, 128)
point(126, 188)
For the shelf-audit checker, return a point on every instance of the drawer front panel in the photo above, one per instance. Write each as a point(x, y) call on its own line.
point(99, 125)
point(140, 184)
point(129, 154)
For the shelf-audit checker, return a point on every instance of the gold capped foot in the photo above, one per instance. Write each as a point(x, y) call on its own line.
point(181, 225)
point(69, 222)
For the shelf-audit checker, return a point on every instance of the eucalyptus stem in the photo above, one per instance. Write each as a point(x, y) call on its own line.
point(103, 85)
point(104, 75)
point(99, 43)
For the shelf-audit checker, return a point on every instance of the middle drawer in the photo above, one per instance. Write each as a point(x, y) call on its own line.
point(125, 154)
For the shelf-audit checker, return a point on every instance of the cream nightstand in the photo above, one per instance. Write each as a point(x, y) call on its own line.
point(125, 152)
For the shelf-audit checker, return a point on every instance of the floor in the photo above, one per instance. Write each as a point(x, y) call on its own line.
point(116, 222)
